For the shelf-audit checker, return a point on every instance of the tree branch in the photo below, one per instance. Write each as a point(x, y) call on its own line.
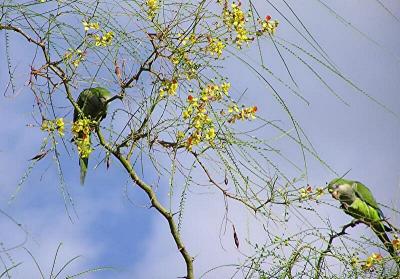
point(352, 224)
point(154, 203)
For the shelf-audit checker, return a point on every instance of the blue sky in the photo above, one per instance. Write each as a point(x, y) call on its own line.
point(110, 230)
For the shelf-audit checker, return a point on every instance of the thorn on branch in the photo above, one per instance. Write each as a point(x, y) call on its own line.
point(235, 237)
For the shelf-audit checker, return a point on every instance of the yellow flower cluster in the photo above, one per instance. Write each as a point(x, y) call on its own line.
point(241, 114)
point(268, 26)
point(215, 46)
point(168, 86)
point(52, 125)
point(236, 19)
point(176, 58)
point(90, 25)
point(199, 121)
point(214, 92)
point(307, 192)
point(190, 69)
point(152, 8)
point(81, 131)
point(184, 40)
point(371, 260)
point(180, 56)
point(76, 56)
point(104, 40)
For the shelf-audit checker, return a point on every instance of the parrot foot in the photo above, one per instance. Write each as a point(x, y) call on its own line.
point(354, 222)
point(343, 206)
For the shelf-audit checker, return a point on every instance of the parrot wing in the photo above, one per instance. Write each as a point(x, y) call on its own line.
point(365, 194)
point(93, 103)
point(82, 101)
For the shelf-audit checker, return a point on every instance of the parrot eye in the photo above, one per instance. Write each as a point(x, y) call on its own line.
point(333, 188)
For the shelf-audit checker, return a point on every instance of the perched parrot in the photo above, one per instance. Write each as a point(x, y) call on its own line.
point(93, 104)
point(357, 201)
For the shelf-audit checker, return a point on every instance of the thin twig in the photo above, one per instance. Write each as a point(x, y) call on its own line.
point(331, 238)
point(154, 203)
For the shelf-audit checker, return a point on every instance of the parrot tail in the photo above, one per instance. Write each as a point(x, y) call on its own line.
point(380, 232)
point(83, 163)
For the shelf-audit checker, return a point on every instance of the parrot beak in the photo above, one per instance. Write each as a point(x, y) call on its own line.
point(335, 194)
point(109, 100)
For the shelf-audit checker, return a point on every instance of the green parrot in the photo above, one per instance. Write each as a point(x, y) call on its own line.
point(93, 103)
point(357, 201)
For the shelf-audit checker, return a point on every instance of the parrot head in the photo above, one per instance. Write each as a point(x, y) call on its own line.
point(103, 94)
point(341, 189)
point(334, 191)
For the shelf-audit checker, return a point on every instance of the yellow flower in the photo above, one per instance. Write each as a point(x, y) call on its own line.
point(186, 114)
point(82, 125)
point(68, 54)
point(396, 242)
point(90, 25)
point(152, 8)
point(319, 192)
point(84, 148)
point(168, 86)
point(104, 40)
point(225, 87)
point(215, 47)
point(305, 192)
point(175, 60)
point(60, 126)
point(46, 124)
point(192, 38)
point(269, 26)
point(377, 257)
point(243, 114)
point(210, 134)
point(85, 25)
point(201, 124)
point(161, 92)
point(76, 62)
point(81, 131)
point(233, 108)
point(197, 124)
point(52, 125)
point(354, 261)
point(173, 87)
point(77, 56)
point(192, 100)
point(371, 260)
point(236, 19)
point(180, 135)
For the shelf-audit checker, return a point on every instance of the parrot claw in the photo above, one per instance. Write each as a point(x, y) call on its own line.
point(354, 222)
